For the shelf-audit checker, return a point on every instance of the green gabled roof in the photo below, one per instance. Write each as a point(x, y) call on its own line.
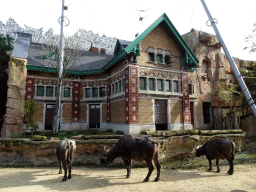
point(190, 60)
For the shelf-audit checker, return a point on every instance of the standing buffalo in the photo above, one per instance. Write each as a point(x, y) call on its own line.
point(65, 152)
point(136, 148)
point(220, 148)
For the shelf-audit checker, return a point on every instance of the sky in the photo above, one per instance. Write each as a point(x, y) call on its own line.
point(120, 19)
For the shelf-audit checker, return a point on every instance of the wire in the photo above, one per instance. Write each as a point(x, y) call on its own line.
point(178, 7)
point(192, 15)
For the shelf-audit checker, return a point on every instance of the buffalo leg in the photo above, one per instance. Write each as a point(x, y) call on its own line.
point(150, 169)
point(231, 168)
point(158, 166)
point(217, 164)
point(60, 171)
point(65, 171)
point(128, 165)
point(69, 171)
point(210, 164)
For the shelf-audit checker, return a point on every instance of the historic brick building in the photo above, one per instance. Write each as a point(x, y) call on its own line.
point(144, 86)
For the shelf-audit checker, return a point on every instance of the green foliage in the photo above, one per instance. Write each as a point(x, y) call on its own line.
point(109, 131)
point(39, 138)
point(30, 109)
point(6, 44)
point(250, 40)
point(119, 132)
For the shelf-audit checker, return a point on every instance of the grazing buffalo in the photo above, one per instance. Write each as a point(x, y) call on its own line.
point(220, 148)
point(136, 148)
point(65, 152)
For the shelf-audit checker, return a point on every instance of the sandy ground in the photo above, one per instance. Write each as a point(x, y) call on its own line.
point(113, 179)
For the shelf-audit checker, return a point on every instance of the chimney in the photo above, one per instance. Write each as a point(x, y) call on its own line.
point(94, 49)
point(21, 46)
point(103, 51)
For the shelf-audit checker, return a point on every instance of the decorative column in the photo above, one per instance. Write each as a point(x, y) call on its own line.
point(76, 96)
point(185, 99)
point(13, 123)
point(131, 95)
point(30, 88)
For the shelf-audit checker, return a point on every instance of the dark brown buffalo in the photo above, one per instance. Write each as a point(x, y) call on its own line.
point(65, 152)
point(136, 148)
point(221, 148)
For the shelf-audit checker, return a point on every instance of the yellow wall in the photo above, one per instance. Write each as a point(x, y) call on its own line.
point(158, 38)
point(118, 111)
point(145, 111)
point(176, 111)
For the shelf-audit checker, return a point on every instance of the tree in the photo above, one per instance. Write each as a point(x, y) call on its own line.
point(72, 53)
point(30, 109)
point(6, 44)
point(250, 40)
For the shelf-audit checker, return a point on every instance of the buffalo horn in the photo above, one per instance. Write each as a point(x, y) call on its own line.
point(106, 149)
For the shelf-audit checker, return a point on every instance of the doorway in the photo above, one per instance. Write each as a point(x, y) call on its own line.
point(49, 115)
point(161, 115)
point(94, 116)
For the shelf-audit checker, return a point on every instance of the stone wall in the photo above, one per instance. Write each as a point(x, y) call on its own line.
point(24, 152)
point(15, 98)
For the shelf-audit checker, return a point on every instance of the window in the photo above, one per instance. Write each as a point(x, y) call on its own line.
point(88, 92)
point(159, 84)
point(94, 92)
point(120, 86)
point(167, 59)
point(55, 91)
point(113, 89)
point(116, 87)
point(168, 85)
point(151, 57)
point(159, 58)
point(142, 83)
point(151, 84)
point(66, 92)
point(40, 91)
point(176, 86)
point(190, 87)
point(102, 92)
point(49, 91)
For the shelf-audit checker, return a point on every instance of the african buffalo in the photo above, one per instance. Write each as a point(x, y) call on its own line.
point(220, 148)
point(136, 148)
point(65, 153)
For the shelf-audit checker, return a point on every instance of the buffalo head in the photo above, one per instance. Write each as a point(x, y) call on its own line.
point(111, 156)
point(199, 151)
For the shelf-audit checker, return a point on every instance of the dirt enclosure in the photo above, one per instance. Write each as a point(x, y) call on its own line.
point(113, 179)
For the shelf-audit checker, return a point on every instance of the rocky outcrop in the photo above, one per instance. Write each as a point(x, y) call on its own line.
point(16, 83)
point(173, 145)
point(213, 65)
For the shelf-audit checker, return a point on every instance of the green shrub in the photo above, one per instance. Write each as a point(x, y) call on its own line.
point(39, 138)
point(109, 131)
point(119, 132)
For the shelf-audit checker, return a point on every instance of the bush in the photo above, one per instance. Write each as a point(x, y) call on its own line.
point(119, 133)
point(39, 138)
point(109, 131)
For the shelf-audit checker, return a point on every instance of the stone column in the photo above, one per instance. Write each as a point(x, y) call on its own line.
point(17, 73)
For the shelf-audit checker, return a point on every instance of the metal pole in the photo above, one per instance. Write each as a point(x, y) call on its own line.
point(232, 63)
point(61, 56)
